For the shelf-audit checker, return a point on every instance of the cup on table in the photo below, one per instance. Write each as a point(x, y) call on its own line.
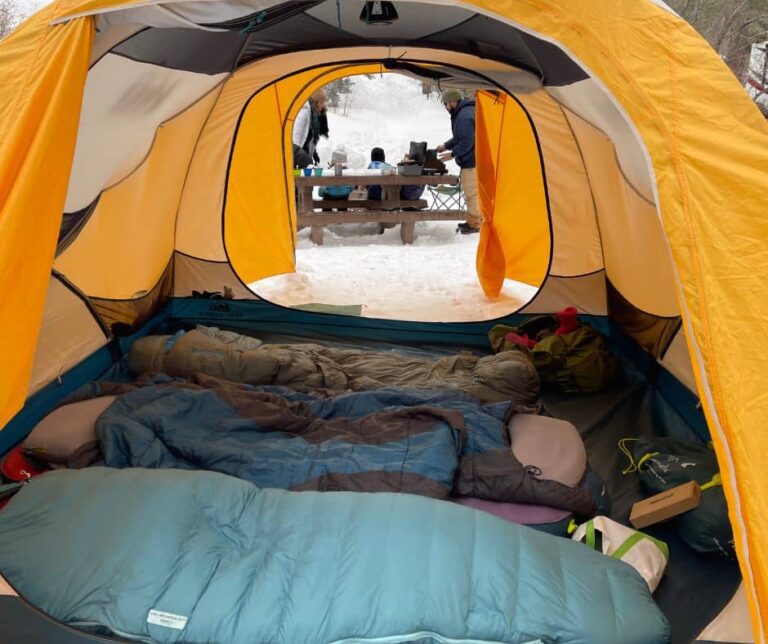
point(307, 172)
point(297, 172)
point(337, 169)
point(318, 172)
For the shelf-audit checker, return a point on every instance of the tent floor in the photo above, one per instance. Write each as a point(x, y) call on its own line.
point(695, 588)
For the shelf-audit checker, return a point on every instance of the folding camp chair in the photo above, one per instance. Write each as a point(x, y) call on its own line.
point(447, 198)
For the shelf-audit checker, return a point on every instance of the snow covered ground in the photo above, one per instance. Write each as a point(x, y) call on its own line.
point(432, 280)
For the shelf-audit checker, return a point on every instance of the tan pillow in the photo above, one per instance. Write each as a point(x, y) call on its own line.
point(65, 429)
point(553, 446)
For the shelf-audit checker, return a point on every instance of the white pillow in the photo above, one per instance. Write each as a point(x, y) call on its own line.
point(68, 427)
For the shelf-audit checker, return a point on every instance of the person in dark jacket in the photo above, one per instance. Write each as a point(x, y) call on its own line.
point(300, 157)
point(461, 148)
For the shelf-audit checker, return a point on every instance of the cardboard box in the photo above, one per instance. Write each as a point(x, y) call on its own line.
point(666, 505)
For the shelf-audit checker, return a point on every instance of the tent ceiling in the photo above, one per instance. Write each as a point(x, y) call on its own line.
point(306, 26)
point(416, 20)
point(419, 25)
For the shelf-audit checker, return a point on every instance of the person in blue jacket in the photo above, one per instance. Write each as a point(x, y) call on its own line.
point(379, 161)
point(461, 148)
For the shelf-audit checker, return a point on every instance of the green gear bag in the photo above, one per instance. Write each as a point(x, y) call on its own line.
point(664, 463)
point(574, 362)
point(535, 328)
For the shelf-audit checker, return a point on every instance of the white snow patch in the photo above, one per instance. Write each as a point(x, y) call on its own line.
point(432, 280)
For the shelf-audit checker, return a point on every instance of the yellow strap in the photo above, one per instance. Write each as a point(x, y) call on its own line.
point(714, 481)
point(632, 467)
point(645, 457)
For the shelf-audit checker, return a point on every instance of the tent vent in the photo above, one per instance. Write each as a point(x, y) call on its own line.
point(378, 13)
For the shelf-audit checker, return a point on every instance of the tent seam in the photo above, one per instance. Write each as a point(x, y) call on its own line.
point(589, 183)
point(631, 185)
point(220, 88)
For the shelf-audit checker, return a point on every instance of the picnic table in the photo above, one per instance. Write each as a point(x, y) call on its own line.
point(390, 210)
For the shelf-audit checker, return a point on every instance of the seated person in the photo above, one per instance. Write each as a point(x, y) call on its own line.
point(407, 193)
point(378, 161)
point(411, 193)
point(336, 193)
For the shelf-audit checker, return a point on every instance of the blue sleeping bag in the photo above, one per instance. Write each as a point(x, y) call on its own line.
point(182, 556)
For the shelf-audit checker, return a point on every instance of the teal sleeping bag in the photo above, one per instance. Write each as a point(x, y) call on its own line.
point(185, 556)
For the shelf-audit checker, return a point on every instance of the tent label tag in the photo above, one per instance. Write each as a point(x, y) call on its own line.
point(169, 620)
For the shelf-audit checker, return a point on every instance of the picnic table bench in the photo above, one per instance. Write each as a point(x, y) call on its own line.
point(390, 210)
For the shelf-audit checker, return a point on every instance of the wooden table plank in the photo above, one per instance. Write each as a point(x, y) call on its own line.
point(377, 180)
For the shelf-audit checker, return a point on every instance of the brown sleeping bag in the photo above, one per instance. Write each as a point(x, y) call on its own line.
point(311, 367)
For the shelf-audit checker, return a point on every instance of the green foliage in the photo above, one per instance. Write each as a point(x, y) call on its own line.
point(337, 90)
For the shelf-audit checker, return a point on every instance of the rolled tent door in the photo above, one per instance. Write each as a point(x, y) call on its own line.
point(515, 240)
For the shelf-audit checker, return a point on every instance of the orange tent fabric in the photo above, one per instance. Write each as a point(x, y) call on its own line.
point(44, 71)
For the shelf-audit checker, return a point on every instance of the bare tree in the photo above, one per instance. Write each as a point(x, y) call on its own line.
point(730, 26)
point(10, 16)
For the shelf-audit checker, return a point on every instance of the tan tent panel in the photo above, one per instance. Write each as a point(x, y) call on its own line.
point(655, 164)
point(192, 274)
point(588, 100)
point(125, 101)
point(622, 215)
point(586, 292)
point(576, 236)
point(129, 239)
point(68, 332)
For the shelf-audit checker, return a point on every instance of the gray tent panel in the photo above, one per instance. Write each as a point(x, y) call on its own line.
point(192, 50)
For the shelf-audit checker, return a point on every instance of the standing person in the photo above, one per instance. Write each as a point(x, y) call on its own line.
point(461, 148)
point(312, 123)
point(301, 126)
